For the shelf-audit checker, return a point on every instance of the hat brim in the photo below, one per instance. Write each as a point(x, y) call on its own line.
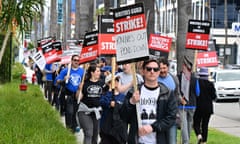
point(203, 74)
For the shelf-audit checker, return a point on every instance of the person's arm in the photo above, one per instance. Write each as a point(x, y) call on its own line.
point(123, 88)
point(105, 99)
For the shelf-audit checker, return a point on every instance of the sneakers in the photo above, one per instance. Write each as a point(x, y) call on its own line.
point(199, 137)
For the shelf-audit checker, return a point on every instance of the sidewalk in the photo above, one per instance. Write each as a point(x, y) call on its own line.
point(225, 125)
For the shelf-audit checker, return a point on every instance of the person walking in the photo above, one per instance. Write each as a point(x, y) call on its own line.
point(48, 88)
point(172, 83)
point(204, 108)
point(187, 84)
point(73, 78)
point(111, 125)
point(156, 100)
point(89, 107)
point(124, 85)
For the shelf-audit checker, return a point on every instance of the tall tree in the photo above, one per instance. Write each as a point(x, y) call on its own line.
point(64, 23)
point(18, 15)
point(106, 7)
point(53, 19)
point(184, 14)
point(68, 19)
point(84, 17)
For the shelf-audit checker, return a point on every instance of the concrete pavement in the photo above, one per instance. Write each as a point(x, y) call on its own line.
point(225, 125)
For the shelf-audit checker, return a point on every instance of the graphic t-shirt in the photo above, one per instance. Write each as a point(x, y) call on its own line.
point(74, 80)
point(92, 92)
point(148, 106)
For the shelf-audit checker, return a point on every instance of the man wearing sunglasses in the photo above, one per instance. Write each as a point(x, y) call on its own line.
point(73, 81)
point(154, 99)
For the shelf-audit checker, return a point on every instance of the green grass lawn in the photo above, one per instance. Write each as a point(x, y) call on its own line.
point(214, 137)
point(26, 118)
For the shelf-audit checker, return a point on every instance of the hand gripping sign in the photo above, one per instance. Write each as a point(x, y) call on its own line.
point(131, 38)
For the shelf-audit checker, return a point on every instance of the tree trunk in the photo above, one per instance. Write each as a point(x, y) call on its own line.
point(106, 7)
point(42, 25)
point(64, 25)
point(184, 12)
point(36, 31)
point(53, 19)
point(68, 20)
point(4, 45)
point(149, 13)
point(84, 18)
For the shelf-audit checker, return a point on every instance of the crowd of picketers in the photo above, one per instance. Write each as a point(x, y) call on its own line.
point(120, 105)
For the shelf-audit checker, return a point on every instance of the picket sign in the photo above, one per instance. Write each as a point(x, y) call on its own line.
point(131, 39)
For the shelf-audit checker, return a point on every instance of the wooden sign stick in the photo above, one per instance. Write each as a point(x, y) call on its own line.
point(79, 94)
point(134, 75)
point(68, 72)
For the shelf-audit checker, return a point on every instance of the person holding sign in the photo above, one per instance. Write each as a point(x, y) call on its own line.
point(89, 107)
point(155, 100)
point(74, 76)
point(125, 83)
point(111, 125)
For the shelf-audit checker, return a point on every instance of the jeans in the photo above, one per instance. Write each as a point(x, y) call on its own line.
point(172, 134)
point(187, 121)
point(90, 127)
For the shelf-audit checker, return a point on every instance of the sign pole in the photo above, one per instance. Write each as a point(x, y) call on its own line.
point(134, 75)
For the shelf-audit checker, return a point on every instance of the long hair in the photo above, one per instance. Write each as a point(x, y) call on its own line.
point(92, 68)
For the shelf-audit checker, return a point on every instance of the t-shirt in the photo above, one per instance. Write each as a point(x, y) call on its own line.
point(148, 106)
point(127, 78)
point(92, 92)
point(168, 81)
point(74, 80)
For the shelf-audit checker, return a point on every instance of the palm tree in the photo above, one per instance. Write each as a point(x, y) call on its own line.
point(53, 19)
point(184, 14)
point(18, 15)
point(84, 18)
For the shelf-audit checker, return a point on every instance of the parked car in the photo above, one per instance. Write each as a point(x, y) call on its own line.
point(227, 83)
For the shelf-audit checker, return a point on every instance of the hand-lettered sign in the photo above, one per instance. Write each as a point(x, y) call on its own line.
point(131, 34)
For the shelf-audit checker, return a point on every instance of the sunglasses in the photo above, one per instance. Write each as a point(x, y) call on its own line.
point(76, 60)
point(149, 69)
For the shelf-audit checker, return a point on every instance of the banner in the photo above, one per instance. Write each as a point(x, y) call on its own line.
point(131, 34)
point(90, 47)
point(160, 43)
point(198, 34)
point(106, 41)
point(39, 59)
point(57, 46)
point(206, 59)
